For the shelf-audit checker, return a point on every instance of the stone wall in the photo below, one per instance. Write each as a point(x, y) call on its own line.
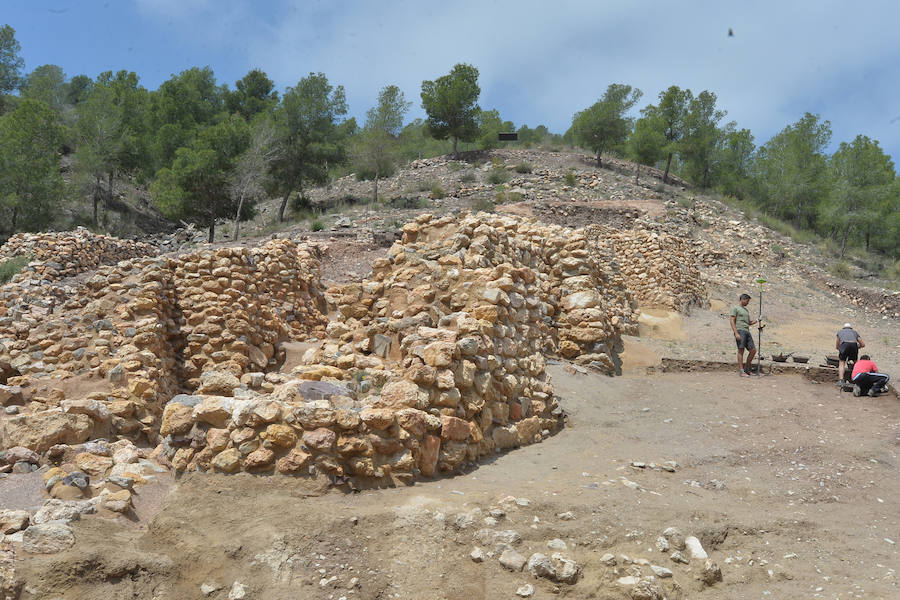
point(134, 335)
point(55, 256)
point(434, 361)
point(660, 270)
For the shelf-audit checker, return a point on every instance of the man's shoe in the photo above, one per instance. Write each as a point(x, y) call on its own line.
point(873, 393)
point(857, 391)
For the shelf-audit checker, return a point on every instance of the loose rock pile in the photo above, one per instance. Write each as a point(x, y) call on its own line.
point(59, 255)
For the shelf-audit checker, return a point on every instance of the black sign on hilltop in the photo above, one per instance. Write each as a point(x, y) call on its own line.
point(508, 137)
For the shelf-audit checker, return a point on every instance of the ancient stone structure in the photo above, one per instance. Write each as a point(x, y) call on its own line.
point(435, 360)
point(56, 256)
point(141, 331)
point(660, 270)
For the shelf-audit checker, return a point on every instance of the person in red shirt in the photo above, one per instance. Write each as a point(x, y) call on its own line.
point(867, 379)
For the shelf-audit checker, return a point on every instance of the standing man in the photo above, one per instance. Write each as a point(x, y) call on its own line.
point(847, 343)
point(740, 325)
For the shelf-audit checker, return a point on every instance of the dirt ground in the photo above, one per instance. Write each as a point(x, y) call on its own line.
point(790, 486)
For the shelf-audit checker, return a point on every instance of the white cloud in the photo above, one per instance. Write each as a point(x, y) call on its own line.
point(540, 62)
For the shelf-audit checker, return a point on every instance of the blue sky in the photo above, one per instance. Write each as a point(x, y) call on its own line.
point(540, 61)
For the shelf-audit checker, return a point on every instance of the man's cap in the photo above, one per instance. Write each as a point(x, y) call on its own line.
point(847, 326)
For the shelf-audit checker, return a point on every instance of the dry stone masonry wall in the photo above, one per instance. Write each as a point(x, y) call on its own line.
point(435, 360)
point(56, 256)
point(661, 270)
point(126, 340)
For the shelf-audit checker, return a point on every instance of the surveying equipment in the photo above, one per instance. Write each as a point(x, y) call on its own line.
point(759, 325)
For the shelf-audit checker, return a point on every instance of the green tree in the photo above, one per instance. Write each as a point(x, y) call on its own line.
point(11, 64)
point(134, 104)
point(255, 94)
point(732, 172)
point(533, 137)
point(101, 140)
point(604, 126)
point(863, 175)
point(182, 106)
point(308, 135)
point(672, 110)
point(647, 143)
point(415, 142)
point(701, 137)
point(30, 184)
point(78, 89)
point(376, 148)
point(791, 171)
point(451, 102)
point(196, 187)
point(46, 84)
point(490, 125)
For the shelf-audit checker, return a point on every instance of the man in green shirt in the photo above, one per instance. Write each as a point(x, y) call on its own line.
point(740, 325)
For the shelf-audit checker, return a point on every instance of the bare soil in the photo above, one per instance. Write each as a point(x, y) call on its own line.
point(790, 485)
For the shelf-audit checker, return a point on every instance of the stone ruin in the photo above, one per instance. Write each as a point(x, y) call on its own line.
point(53, 256)
point(661, 269)
point(436, 359)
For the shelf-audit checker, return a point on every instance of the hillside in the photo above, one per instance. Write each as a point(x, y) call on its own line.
point(425, 399)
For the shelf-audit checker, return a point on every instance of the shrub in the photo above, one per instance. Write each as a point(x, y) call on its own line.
point(570, 178)
point(483, 204)
point(777, 249)
point(425, 186)
point(686, 202)
point(523, 167)
point(839, 269)
point(437, 192)
point(316, 225)
point(12, 267)
point(660, 188)
point(455, 166)
point(498, 176)
point(300, 202)
point(503, 196)
point(368, 174)
point(892, 271)
point(408, 202)
point(467, 177)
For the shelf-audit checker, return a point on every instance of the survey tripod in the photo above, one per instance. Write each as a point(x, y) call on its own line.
point(759, 325)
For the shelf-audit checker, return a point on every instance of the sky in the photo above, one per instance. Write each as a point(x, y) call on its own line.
point(540, 61)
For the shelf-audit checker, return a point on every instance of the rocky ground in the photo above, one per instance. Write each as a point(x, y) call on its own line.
point(660, 485)
point(788, 486)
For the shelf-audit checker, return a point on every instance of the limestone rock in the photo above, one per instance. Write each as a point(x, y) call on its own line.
point(512, 560)
point(47, 538)
point(40, 431)
point(12, 521)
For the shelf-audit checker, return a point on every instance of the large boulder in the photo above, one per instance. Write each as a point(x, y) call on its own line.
point(40, 431)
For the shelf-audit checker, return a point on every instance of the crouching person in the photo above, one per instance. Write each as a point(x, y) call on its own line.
point(866, 378)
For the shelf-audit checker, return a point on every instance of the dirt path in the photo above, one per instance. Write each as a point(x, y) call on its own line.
point(791, 488)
